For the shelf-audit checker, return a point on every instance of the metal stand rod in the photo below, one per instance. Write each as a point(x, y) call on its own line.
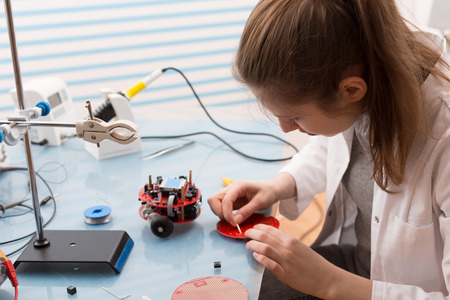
point(40, 239)
point(38, 123)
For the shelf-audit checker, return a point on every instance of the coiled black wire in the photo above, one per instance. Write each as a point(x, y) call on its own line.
point(222, 127)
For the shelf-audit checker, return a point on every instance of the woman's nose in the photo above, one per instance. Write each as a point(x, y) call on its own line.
point(287, 125)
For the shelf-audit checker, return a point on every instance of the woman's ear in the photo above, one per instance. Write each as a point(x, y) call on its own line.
point(352, 89)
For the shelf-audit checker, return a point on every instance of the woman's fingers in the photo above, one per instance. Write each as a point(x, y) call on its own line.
point(215, 202)
point(267, 246)
point(265, 233)
point(249, 208)
point(239, 195)
point(273, 248)
point(245, 196)
point(269, 264)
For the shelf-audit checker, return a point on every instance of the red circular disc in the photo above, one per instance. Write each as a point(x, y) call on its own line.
point(227, 229)
point(211, 288)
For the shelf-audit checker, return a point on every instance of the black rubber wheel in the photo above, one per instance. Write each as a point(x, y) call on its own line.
point(162, 227)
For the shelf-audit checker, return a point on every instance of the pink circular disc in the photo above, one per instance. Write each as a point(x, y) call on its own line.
point(227, 229)
point(211, 288)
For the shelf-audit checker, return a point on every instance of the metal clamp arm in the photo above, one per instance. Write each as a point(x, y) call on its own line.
point(96, 130)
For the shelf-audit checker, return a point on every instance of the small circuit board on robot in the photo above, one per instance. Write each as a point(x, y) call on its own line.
point(172, 184)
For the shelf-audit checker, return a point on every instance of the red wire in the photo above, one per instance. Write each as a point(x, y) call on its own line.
point(11, 273)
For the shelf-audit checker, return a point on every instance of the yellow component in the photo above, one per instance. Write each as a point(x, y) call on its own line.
point(132, 91)
point(3, 255)
point(227, 181)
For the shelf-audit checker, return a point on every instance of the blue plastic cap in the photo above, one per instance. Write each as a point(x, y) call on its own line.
point(1, 136)
point(45, 108)
point(96, 212)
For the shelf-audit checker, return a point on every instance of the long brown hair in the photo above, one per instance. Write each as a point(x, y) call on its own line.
point(299, 49)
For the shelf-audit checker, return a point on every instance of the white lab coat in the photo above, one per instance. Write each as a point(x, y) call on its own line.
point(410, 230)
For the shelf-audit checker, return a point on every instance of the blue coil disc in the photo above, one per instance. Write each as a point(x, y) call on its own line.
point(99, 214)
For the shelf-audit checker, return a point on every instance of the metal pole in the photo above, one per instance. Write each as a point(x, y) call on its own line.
point(38, 123)
point(40, 239)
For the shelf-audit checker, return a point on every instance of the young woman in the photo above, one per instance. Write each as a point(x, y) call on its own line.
point(374, 96)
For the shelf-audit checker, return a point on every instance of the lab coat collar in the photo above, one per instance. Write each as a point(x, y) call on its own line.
point(438, 44)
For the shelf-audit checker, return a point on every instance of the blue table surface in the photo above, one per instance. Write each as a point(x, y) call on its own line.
point(155, 266)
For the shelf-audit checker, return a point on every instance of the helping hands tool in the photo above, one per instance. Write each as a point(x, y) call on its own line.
point(112, 247)
point(95, 130)
point(91, 130)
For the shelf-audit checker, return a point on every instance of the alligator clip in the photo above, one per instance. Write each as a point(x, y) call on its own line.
point(96, 130)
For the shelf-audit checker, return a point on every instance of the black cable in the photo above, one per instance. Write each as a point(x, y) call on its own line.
point(19, 214)
point(224, 128)
point(219, 138)
point(52, 197)
point(58, 166)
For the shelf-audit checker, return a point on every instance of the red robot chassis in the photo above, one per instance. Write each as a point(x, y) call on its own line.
point(168, 201)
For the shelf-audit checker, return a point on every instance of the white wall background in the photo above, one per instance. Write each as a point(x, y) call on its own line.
point(92, 44)
point(432, 14)
point(416, 11)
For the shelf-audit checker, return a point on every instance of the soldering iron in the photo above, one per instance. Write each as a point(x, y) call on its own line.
point(106, 111)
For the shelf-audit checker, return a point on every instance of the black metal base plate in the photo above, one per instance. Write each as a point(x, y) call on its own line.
point(110, 247)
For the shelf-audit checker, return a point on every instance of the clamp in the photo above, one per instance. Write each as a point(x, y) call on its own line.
point(92, 130)
point(96, 130)
point(16, 127)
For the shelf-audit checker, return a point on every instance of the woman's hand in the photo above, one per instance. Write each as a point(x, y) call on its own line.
point(247, 196)
point(300, 267)
point(250, 196)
